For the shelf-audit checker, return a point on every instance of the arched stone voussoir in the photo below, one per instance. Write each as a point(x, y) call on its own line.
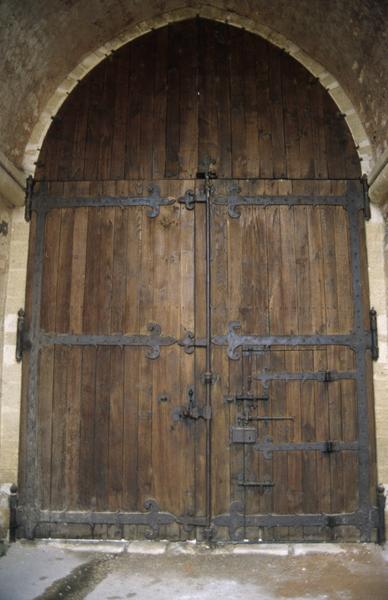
point(238, 14)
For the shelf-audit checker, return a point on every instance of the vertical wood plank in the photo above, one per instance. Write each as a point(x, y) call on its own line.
point(117, 430)
point(238, 125)
point(87, 471)
point(59, 428)
point(101, 428)
point(119, 126)
point(160, 104)
point(45, 424)
point(73, 424)
point(173, 107)
point(92, 148)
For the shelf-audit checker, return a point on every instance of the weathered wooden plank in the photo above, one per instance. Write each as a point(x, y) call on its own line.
point(87, 482)
point(263, 128)
point(50, 270)
point(237, 105)
point(62, 313)
point(45, 424)
point(187, 64)
point(117, 430)
point(92, 147)
point(78, 267)
point(101, 427)
point(59, 428)
point(277, 115)
point(73, 425)
point(172, 167)
point(130, 426)
point(120, 67)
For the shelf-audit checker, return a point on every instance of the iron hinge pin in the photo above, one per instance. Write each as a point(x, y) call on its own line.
point(207, 377)
point(329, 447)
point(381, 500)
point(22, 341)
point(365, 187)
point(30, 182)
point(374, 334)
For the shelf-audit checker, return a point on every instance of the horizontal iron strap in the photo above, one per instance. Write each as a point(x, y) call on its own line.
point(268, 447)
point(264, 484)
point(233, 342)
point(44, 202)
point(234, 200)
point(115, 518)
point(153, 341)
point(325, 376)
point(105, 340)
point(139, 518)
point(356, 519)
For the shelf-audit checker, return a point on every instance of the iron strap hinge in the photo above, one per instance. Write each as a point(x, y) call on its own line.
point(22, 341)
point(30, 182)
point(374, 334)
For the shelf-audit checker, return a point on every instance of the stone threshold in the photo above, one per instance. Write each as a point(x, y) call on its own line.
point(193, 548)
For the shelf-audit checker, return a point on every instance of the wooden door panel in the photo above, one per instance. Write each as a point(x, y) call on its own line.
point(108, 439)
point(101, 274)
point(287, 270)
point(109, 433)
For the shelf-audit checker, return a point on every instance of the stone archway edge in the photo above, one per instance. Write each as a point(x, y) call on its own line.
point(210, 12)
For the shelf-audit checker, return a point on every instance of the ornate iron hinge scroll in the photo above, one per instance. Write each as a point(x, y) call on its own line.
point(190, 199)
point(234, 521)
point(189, 343)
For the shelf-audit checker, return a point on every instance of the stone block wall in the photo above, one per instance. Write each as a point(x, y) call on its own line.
point(13, 262)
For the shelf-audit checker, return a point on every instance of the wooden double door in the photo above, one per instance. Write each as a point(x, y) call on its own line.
point(199, 356)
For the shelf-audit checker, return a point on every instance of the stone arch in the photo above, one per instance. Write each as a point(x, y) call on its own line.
point(332, 85)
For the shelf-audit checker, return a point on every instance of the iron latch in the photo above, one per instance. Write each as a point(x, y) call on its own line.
point(246, 398)
point(264, 487)
point(243, 435)
point(374, 334)
point(246, 418)
point(23, 343)
point(191, 410)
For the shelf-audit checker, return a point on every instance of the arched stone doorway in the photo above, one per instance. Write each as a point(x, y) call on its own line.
point(197, 303)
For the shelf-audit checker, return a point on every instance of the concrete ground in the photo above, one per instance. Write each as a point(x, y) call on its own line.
point(54, 570)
